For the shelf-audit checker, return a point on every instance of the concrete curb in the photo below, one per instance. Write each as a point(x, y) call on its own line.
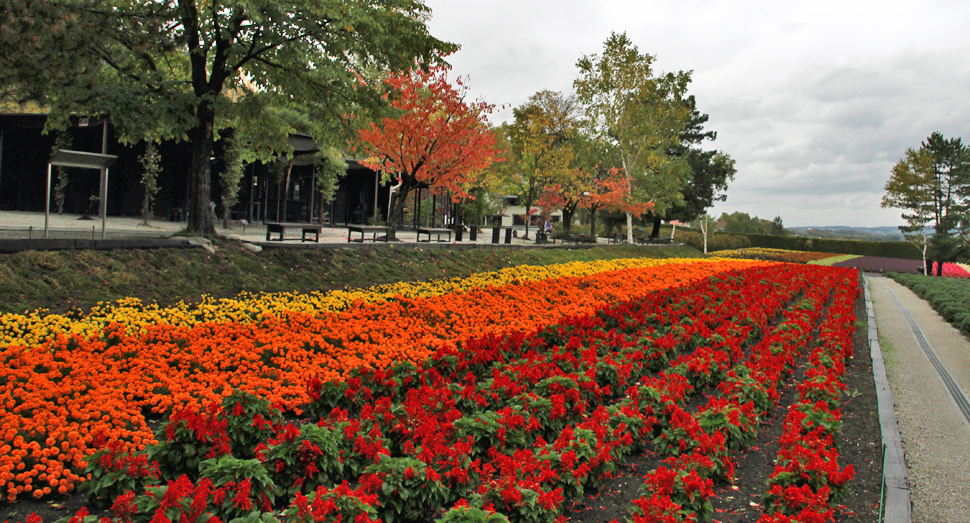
point(897, 505)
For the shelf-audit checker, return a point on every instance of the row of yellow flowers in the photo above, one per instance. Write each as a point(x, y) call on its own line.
point(38, 327)
point(55, 398)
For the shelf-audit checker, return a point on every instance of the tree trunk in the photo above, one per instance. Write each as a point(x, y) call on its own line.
point(629, 228)
point(200, 185)
point(567, 221)
point(655, 232)
point(592, 222)
point(286, 188)
point(528, 220)
point(704, 228)
point(397, 203)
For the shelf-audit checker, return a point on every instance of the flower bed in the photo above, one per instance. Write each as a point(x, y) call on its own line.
point(518, 421)
point(880, 264)
point(768, 254)
point(951, 270)
point(58, 395)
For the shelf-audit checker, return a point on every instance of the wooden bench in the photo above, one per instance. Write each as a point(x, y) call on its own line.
point(364, 230)
point(648, 240)
point(429, 231)
point(580, 238)
point(305, 228)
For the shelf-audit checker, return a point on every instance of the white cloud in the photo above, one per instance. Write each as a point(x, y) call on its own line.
point(815, 100)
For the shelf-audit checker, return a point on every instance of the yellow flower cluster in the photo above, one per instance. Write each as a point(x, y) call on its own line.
point(39, 328)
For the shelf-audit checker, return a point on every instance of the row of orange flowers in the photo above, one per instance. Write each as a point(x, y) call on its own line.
point(56, 398)
point(39, 327)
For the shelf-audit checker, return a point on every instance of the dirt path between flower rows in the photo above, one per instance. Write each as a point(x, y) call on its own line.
point(936, 436)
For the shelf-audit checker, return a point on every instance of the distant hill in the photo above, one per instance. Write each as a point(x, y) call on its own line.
point(878, 234)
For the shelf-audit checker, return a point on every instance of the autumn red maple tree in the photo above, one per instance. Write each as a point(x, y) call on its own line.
point(436, 138)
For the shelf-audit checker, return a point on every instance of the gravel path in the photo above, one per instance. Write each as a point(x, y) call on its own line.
point(936, 437)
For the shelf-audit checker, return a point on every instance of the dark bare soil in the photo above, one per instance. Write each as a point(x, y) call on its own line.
point(740, 502)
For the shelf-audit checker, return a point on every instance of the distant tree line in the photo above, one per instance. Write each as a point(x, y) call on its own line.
point(741, 222)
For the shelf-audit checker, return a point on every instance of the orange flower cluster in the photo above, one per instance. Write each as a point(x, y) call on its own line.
point(55, 398)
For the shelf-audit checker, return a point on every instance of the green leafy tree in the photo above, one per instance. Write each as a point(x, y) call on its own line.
point(642, 114)
point(951, 173)
point(710, 171)
point(540, 151)
point(775, 227)
point(741, 222)
point(913, 188)
point(187, 68)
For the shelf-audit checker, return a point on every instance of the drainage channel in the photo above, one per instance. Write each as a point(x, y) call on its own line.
point(952, 387)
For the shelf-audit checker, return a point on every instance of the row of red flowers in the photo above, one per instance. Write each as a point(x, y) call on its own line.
point(701, 444)
point(807, 479)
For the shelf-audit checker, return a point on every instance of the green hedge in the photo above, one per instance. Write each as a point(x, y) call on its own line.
point(948, 296)
point(715, 242)
point(903, 250)
point(720, 241)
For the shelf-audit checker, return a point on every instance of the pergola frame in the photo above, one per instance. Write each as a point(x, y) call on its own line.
point(81, 160)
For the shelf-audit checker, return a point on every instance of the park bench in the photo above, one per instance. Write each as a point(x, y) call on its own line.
point(649, 240)
point(364, 230)
point(305, 228)
point(581, 238)
point(429, 231)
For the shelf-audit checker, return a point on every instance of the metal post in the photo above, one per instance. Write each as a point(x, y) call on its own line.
point(104, 198)
point(1, 154)
point(377, 187)
point(104, 173)
point(47, 204)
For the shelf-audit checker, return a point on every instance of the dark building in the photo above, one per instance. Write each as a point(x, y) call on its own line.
point(25, 151)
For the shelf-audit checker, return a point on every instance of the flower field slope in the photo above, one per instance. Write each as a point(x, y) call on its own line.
point(504, 402)
point(64, 392)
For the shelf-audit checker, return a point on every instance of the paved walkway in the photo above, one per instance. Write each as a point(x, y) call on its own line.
point(16, 224)
point(935, 433)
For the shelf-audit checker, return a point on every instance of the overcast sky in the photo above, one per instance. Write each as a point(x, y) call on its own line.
point(814, 100)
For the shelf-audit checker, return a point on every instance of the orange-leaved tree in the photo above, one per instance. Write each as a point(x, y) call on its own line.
point(610, 189)
point(435, 138)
